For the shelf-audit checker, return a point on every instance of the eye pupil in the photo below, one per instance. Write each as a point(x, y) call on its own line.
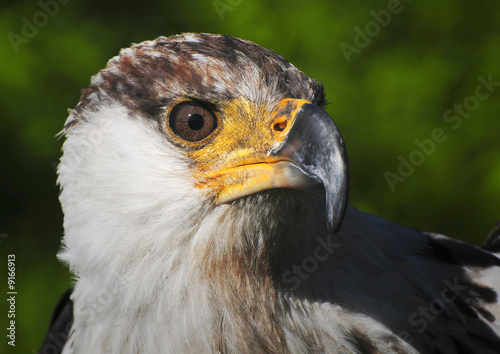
point(196, 121)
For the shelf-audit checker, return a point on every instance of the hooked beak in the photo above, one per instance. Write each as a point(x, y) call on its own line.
point(315, 145)
point(307, 151)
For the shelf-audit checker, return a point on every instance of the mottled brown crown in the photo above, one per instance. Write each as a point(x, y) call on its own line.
point(149, 76)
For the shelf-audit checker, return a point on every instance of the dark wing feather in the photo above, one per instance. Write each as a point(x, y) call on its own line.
point(492, 243)
point(475, 297)
point(60, 325)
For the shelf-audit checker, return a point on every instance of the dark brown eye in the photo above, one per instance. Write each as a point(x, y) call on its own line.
point(192, 121)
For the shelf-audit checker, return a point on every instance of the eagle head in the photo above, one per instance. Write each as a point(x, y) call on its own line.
point(189, 158)
point(177, 134)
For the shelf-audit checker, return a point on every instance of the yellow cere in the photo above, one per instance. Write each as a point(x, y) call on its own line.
point(235, 162)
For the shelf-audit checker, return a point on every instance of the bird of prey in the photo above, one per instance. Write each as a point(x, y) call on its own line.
point(205, 199)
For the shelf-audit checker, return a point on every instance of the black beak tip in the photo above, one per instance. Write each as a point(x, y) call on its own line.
point(316, 145)
point(335, 213)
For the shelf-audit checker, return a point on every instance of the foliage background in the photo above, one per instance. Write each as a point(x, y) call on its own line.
point(395, 90)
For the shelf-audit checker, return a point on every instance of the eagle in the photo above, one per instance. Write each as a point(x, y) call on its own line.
point(205, 198)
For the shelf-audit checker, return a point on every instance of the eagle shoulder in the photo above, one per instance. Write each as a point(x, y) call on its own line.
point(60, 325)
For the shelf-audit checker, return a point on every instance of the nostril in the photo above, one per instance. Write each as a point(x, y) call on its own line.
point(280, 126)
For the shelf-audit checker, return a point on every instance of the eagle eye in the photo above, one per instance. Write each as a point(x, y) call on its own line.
point(192, 121)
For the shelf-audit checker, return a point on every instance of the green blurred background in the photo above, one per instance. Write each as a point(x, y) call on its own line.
point(396, 86)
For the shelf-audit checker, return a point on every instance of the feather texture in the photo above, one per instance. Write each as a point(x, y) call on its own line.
point(160, 268)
